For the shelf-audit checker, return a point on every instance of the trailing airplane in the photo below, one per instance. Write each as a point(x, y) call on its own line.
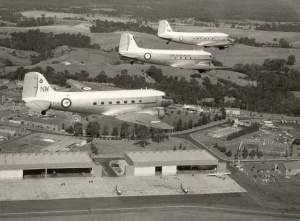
point(219, 175)
point(206, 40)
point(142, 106)
point(185, 59)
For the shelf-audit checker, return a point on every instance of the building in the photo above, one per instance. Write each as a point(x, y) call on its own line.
point(150, 163)
point(289, 168)
point(20, 165)
point(233, 111)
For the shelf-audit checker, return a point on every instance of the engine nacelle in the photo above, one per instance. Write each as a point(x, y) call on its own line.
point(158, 112)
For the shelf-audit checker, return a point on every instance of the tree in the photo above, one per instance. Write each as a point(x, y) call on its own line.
point(105, 130)
point(115, 131)
point(185, 126)
point(252, 153)
point(93, 129)
point(216, 117)
point(190, 124)
point(291, 60)
point(124, 130)
point(216, 146)
point(223, 149)
point(245, 153)
point(78, 128)
point(63, 126)
point(94, 149)
point(143, 134)
point(223, 112)
point(174, 147)
point(229, 153)
point(70, 130)
point(179, 125)
point(260, 154)
point(284, 43)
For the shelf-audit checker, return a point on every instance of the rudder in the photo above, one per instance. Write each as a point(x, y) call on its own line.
point(163, 28)
point(127, 43)
point(36, 85)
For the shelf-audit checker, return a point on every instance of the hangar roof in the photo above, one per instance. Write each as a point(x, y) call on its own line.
point(59, 160)
point(294, 165)
point(170, 158)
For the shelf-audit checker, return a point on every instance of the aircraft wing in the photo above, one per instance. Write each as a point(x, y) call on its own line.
point(200, 66)
point(214, 44)
point(144, 119)
point(78, 86)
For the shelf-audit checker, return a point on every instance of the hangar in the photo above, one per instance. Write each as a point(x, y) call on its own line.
point(20, 165)
point(149, 163)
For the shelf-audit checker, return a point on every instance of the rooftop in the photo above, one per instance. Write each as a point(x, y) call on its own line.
point(292, 165)
point(30, 161)
point(172, 157)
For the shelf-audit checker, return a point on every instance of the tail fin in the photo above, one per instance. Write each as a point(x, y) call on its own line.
point(163, 28)
point(127, 43)
point(36, 85)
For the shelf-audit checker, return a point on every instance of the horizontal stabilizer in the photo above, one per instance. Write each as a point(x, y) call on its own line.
point(38, 105)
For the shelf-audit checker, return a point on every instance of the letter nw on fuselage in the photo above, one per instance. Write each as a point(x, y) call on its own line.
point(44, 88)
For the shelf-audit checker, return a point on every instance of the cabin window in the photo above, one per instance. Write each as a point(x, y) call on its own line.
point(140, 101)
point(110, 102)
point(118, 102)
point(125, 102)
point(94, 103)
point(133, 101)
point(102, 103)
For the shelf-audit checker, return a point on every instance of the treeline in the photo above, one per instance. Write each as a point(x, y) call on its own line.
point(32, 22)
point(279, 27)
point(13, 16)
point(44, 43)
point(252, 42)
point(246, 130)
point(111, 26)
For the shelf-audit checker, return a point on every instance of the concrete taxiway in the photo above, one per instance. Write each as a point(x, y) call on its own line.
point(92, 187)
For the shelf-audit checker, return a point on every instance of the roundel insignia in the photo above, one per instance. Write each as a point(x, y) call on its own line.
point(181, 38)
point(66, 103)
point(147, 56)
point(41, 80)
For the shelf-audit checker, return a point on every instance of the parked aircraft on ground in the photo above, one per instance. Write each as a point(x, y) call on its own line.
point(208, 39)
point(219, 175)
point(142, 106)
point(185, 59)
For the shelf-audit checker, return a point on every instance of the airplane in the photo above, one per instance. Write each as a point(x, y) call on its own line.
point(206, 40)
point(143, 106)
point(219, 175)
point(184, 59)
point(184, 190)
point(119, 192)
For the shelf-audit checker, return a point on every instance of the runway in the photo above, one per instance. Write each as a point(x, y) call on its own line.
point(183, 206)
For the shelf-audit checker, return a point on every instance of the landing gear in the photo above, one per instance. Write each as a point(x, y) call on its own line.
point(43, 113)
point(131, 62)
point(202, 71)
point(221, 48)
point(167, 42)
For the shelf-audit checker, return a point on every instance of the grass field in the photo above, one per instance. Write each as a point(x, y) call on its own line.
point(113, 147)
point(17, 57)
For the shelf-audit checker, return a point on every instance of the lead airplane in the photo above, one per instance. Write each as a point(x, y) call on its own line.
point(206, 40)
point(185, 59)
point(219, 175)
point(142, 107)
